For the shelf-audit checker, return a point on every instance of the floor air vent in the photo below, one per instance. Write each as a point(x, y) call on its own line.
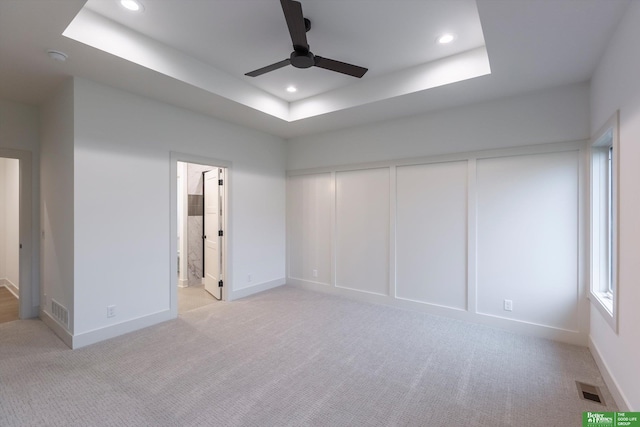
point(589, 392)
point(60, 313)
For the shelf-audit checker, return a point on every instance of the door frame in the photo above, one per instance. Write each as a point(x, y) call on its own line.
point(176, 157)
point(28, 288)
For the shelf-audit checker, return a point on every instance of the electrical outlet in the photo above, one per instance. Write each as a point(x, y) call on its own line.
point(249, 278)
point(315, 273)
point(508, 305)
point(111, 311)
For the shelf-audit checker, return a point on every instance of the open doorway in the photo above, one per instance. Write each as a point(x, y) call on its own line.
point(9, 239)
point(20, 256)
point(200, 197)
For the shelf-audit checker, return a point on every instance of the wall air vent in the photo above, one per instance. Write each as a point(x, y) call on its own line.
point(60, 313)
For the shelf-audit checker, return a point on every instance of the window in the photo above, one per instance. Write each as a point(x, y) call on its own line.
point(604, 220)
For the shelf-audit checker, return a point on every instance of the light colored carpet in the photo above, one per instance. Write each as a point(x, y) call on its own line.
point(193, 297)
point(290, 357)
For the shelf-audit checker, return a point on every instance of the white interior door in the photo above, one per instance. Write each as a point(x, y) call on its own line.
point(212, 239)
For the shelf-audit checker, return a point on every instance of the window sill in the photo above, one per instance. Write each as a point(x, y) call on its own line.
point(603, 302)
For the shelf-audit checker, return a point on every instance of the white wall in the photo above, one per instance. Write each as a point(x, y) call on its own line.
point(527, 238)
point(615, 86)
point(3, 268)
point(546, 116)
point(56, 171)
point(122, 146)
point(182, 215)
point(310, 201)
point(195, 224)
point(362, 230)
point(432, 225)
point(20, 138)
point(10, 238)
point(452, 234)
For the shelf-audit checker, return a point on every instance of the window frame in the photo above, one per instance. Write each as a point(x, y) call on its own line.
point(604, 220)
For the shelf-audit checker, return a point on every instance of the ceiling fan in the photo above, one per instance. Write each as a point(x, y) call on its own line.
point(301, 57)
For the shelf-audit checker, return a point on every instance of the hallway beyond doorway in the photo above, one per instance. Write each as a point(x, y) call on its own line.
point(8, 306)
point(192, 297)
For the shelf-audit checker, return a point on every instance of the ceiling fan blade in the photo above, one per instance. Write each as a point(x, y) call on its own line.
point(259, 71)
point(340, 67)
point(295, 21)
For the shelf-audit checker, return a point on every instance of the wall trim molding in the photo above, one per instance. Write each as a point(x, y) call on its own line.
point(430, 303)
point(57, 328)
point(574, 332)
point(91, 337)
point(610, 381)
point(509, 325)
point(315, 282)
point(250, 290)
point(11, 287)
point(553, 147)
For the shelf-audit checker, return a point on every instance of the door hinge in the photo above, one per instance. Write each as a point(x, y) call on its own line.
point(220, 284)
point(219, 182)
point(220, 233)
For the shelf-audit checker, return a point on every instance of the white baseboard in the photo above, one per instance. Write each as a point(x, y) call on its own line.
point(509, 325)
point(112, 331)
point(261, 287)
point(11, 287)
point(612, 384)
point(183, 283)
point(57, 328)
point(302, 282)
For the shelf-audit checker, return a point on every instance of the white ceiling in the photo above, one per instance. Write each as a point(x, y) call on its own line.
point(238, 36)
point(202, 48)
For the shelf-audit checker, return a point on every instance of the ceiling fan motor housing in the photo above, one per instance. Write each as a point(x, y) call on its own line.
point(302, 59)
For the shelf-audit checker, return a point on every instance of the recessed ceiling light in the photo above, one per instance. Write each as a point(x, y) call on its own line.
point(132, 5)
point(292, 89)
point(445, 38)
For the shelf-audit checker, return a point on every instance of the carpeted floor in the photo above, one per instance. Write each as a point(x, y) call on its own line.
point(290, 357)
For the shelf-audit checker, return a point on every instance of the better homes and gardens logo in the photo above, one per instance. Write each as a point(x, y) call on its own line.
point(610, 419)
